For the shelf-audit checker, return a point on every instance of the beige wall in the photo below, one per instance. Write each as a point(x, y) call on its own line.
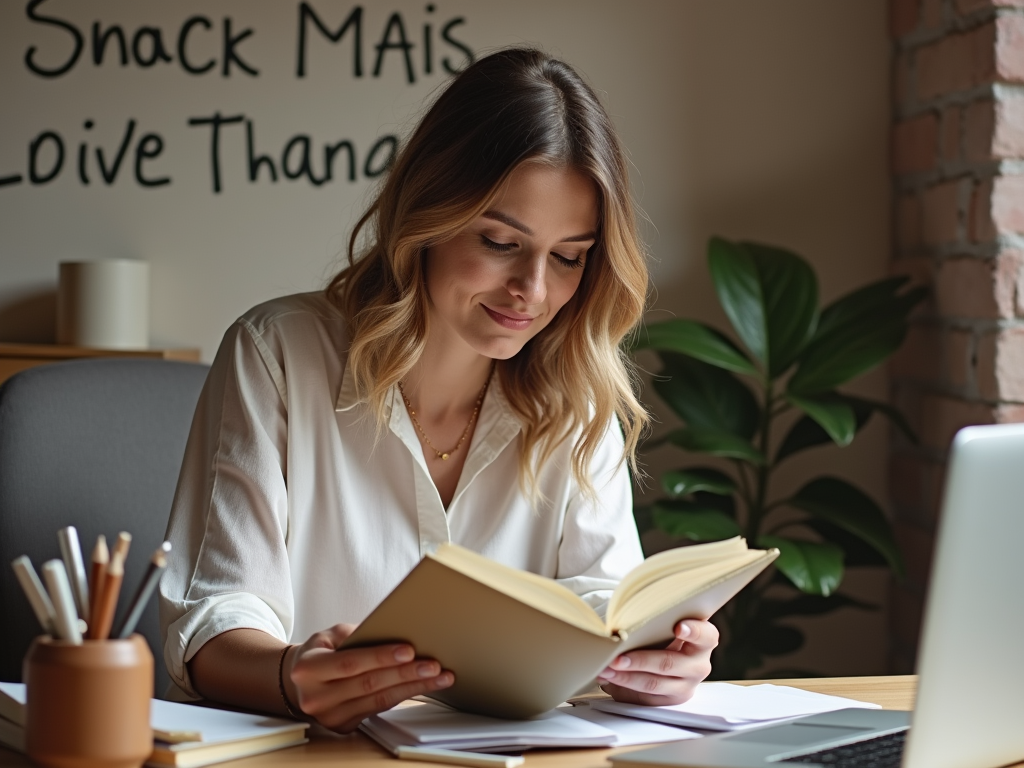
point(762, 120)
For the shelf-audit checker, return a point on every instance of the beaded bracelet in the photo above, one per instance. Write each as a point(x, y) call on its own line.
point(280, 684)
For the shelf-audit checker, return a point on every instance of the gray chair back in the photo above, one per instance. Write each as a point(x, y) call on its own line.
point(96, 444)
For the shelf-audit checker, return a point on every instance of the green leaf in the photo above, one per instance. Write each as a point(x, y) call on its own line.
point(857, 552)
point(769, 295)
point(689, 519)
point(854, 346)
point(683, 482)
point(716, 443)
point(814, 568)
point(895, 417)
point(707, 397)
point(832, 414)
point(696, 340)
point(846, 506)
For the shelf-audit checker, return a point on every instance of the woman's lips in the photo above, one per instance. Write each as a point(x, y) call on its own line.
point(515, 321)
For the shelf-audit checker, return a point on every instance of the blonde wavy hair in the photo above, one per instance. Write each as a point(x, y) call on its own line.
point(511, 107)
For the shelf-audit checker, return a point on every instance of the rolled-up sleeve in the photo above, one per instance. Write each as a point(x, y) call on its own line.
point(228, 568)
point(600, 544)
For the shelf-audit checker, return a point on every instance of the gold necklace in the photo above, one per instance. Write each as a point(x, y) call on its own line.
point(445, 455)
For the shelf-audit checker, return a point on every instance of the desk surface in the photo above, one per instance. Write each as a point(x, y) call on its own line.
point(356, 751)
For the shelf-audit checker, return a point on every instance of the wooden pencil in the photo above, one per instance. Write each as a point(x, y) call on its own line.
point(100, 561)
point(124, 541)
point(157, 564)
point(103, 614)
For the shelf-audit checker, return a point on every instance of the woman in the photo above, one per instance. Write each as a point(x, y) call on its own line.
point(460, 381)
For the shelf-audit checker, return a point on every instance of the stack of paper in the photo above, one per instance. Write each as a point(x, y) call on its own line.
point(728, 707)
point(435, 725)
point(184, 735)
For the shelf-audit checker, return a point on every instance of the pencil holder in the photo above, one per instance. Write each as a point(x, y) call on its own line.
point(88, 704)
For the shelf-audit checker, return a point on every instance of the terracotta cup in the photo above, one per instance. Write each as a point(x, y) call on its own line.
point(88, 705)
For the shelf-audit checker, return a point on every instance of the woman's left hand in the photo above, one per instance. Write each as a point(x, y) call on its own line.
point(659, 678)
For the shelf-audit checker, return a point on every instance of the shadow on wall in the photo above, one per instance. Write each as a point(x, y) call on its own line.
point(30, 318)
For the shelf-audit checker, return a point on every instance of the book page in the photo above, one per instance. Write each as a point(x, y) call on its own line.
point(529, 588)
point(677, 560)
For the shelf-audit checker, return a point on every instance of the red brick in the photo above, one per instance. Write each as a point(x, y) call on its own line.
point(981, 228)
point(951, 133)
point(1007, 203)
point(1008, 134)
point(917, 546)
point(1009, 48)
point(906, 482)
point(903, 91)
point(979, 124)
point(919, 357)
point(943, 417)
point(934, 484)
point(902, 16)
point(978, 288)
point(940, 213)
point(915, 144)
point(920, 269)
point(1001, 365)
point(958, 62)
point(908, 222)
point(931, 14)
point(959, 358)
point(1010, 413)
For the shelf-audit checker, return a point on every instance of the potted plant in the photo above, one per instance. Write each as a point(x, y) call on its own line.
point(734, 399)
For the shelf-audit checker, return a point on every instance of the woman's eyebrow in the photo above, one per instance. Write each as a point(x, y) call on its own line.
point(516, 224)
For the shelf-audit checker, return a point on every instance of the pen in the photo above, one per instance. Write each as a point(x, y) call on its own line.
point(104, 608)
point(456, 757)
point(100, 560)
point(157, 564)
point(124, 540)
point(71, 554)
point(37, 597)
point(66, 622)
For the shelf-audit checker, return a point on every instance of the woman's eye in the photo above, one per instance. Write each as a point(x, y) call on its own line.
point(567, 262)
point(494, 246)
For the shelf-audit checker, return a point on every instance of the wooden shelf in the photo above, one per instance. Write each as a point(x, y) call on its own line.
point(18, 357)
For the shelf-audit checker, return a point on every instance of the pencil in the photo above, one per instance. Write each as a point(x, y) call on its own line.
point(103, 610)
point(66, 622)
point(100, 560)
point(124, 540)
point(157, 564)
point(71, 554)
point(37, 597)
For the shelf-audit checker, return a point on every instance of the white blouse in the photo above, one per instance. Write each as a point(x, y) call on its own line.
point(288, 518)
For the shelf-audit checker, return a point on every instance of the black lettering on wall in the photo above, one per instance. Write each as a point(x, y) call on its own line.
point(99, 43)
point(373, 167)
point(330, 150)
point(110, 174)
point(83, 154)
point(256, 161)
point(14, 178)
point(215, 122)
point(186, 30)
point(156, 52)
point(230, 55)
point(428, 45)
point(33, 157)
point(385, 44)
point(354, 19)
point(458, 44)
point(71, 29)
point(149, 147)
point(305, 166)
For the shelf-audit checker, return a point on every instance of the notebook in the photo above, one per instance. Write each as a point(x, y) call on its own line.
point(969, 709)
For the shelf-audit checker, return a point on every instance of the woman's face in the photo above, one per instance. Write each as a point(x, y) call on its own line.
point(500, 281)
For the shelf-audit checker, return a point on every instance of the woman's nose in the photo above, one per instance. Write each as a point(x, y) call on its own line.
point(528, 281)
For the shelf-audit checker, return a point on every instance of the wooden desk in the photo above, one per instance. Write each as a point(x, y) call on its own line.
point(18, 357)
point(357, 751)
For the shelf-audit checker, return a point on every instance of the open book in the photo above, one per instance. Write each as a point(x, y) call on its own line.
point(520, 644)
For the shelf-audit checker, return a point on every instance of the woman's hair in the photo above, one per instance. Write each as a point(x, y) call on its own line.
point(514, 106)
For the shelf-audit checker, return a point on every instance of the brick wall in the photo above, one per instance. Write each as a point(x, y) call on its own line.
point(958, 170)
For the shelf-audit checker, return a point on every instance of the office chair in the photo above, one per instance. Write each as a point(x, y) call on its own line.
point(96, 444)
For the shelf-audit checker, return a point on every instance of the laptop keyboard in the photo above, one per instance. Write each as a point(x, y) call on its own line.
point(881, 752)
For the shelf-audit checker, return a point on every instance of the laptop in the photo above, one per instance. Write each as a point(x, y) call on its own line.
point(970, 697)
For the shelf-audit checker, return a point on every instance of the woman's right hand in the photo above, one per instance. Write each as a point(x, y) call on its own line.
point(339, 689)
